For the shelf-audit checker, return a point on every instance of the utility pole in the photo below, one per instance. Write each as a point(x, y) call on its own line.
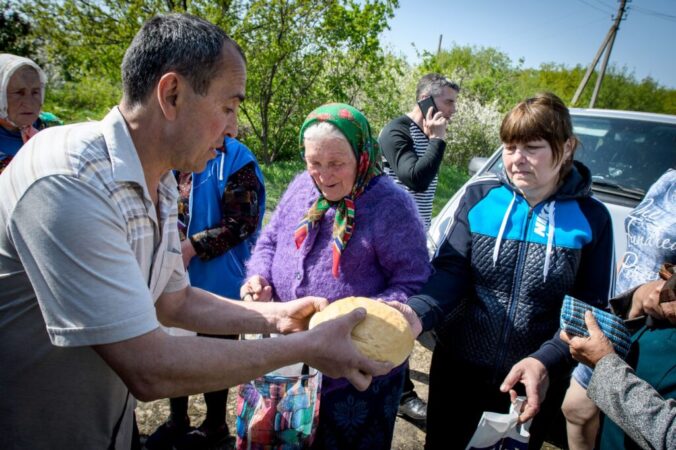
point(439, 46)
point(607, 44)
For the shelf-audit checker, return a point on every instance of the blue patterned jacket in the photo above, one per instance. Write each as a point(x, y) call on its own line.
point(504, 268)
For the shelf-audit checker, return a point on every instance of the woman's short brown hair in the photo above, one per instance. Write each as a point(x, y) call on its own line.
point(543, 116)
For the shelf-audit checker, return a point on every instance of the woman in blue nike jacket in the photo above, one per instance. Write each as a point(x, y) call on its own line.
point(518, 243)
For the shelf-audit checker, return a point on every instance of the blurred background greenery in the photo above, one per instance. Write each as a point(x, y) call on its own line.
point(301, 53)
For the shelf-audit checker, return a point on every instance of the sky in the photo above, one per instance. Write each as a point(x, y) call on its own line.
point(567, 32)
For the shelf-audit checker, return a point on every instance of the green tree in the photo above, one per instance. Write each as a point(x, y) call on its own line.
point(83, 42)
point(303, 53)
point(485, 74)
point(620, 88)
point(15, 32)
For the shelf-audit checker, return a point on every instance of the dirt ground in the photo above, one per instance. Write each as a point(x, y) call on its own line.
point(406, 435)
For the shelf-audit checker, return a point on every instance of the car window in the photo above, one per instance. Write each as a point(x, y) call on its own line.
point(628, 155)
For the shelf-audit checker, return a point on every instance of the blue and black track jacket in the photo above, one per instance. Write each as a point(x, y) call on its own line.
point(504, 268)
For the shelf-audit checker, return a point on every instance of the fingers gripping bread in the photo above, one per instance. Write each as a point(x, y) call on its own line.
point(384, 335)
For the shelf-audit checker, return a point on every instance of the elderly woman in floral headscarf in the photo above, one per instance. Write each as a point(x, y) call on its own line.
point(22, 92)
point(342, 229)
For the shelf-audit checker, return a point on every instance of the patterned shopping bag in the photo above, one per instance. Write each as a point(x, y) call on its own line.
point(279, 412)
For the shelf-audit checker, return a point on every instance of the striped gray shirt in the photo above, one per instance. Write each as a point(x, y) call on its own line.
point(424, 199)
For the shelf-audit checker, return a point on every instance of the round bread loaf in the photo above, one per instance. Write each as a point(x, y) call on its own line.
point(384, 335)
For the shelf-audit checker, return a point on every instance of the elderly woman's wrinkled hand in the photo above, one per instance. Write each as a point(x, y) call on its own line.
point(256, 289)
point(336, 355)
point(589, 350)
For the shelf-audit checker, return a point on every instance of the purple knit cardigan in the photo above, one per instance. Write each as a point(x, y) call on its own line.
point(385, 258)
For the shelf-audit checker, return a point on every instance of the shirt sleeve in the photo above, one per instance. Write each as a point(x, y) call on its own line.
point(84, 273)
point(414, 172)
point(240, 215)
point(633, 404)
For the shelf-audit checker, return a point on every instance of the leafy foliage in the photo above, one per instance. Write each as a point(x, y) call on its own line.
point(301, 53)
point(87, 99)
point(473, 131)
point(277, 178)
point(485, 74)
point(14, 32)
point(491, 84)
point(304, 54)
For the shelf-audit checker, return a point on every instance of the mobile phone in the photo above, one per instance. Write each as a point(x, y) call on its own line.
point(427, 103)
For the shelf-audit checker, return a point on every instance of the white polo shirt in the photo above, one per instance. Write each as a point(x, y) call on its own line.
point(83, 258)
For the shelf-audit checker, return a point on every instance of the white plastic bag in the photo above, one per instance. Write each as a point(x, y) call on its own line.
point(501, 431)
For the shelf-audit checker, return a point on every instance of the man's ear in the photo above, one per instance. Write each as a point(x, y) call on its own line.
point(168, 89)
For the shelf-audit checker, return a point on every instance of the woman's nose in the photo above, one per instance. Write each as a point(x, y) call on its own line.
point(519, 155)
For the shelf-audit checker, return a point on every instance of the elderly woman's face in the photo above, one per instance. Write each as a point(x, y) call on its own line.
point(24, 97)
point(332, 165)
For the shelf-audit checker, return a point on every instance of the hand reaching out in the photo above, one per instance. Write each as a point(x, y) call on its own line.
point(295, 315)
point(533, 375)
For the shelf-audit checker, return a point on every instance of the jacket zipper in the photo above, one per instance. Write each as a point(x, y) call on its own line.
point(513, 301)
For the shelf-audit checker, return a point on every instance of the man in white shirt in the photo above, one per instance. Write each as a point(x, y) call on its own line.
point(90, 260)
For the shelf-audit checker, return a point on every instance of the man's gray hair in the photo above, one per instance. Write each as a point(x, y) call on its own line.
point(432, 84)
point(183, 43)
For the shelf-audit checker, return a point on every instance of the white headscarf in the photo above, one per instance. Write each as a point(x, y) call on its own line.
point(9, 64)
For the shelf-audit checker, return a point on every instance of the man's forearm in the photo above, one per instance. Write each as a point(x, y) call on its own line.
point(198, 310)
point(157, 365)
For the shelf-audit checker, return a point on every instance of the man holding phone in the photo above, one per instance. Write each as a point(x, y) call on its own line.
point(413, 147)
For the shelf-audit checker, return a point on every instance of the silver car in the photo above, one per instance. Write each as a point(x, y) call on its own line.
point(626, 152)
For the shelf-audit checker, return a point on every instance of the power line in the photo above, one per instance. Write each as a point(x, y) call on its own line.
point(585, 2)
point(610, 8)
point(651, 12)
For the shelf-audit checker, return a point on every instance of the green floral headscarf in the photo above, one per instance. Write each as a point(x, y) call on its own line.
point(353, 124)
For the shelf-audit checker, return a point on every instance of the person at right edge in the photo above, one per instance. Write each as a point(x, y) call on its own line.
point(520, 241)
point(644, 302)
point(413, 147)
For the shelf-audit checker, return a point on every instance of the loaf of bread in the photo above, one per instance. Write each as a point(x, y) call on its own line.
point(384, 335)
